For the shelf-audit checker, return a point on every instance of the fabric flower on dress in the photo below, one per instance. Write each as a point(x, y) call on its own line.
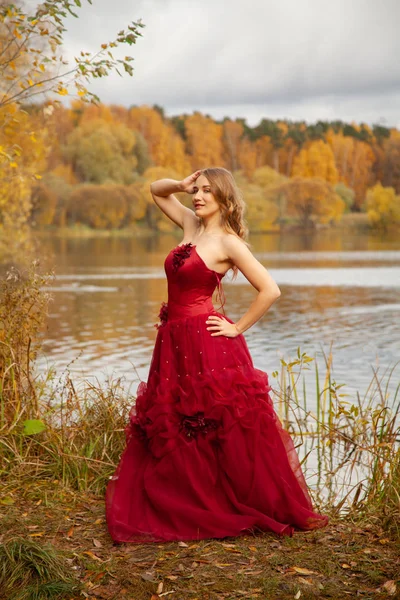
point(180, 254)
point(197, 423)
point(163, 315)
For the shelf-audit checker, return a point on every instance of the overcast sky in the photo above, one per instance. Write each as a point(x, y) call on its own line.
point(295, 59)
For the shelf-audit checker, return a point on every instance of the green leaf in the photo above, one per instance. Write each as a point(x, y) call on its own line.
point(7, 500)
point(33, 426)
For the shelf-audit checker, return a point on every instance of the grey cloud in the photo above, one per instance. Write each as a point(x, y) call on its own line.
point(310, 57)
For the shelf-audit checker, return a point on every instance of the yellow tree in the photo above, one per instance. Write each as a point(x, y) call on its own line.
point(22, 155)
point(354, 160)
point(391, 161)
point(383, 206)
point(311, 200)
point(166, 147)
point(316, 160)
point(31, 64)
point(203, 141)
point(232, 134)
point(247, 157)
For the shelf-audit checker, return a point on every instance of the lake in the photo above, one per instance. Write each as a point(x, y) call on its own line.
point(338, 288)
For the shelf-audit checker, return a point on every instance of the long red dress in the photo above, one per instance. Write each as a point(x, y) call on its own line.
point(206, 455)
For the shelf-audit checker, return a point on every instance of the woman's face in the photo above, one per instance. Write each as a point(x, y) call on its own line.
point(204, 201)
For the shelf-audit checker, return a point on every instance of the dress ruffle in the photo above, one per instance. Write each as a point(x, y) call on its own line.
point(206, 455)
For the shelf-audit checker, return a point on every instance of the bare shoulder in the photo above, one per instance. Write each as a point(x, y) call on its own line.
point(234, 247)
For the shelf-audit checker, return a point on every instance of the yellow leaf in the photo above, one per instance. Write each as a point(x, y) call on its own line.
point(62, 91)
point(42, 68)
point(13, 165)
point(302, 571)
point(39, 534)
point(38, 176)
point(92, 555)
point(82, 93)
point(30, 82)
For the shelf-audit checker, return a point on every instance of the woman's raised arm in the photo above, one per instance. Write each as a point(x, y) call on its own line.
point(163, 192)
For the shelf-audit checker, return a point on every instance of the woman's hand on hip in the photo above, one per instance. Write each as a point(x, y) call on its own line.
point(220, 326)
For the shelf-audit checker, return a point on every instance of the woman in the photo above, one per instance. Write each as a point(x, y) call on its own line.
point(206, 456)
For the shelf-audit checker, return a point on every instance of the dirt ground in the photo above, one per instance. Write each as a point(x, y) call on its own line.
point(343, 560)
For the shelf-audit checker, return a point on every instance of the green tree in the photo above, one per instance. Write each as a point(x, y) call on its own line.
point(102, 152)
point(346, 194)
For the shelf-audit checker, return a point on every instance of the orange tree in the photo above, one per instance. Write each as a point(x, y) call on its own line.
point(311, 200)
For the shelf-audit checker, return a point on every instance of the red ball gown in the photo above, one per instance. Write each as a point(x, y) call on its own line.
point(206, 455)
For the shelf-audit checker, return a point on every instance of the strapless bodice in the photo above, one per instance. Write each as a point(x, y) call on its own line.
point(190, 282)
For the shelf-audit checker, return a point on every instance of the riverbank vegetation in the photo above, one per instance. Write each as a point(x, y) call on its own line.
point(61, 438)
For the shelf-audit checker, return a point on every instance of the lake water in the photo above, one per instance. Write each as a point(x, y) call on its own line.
point(337, 288)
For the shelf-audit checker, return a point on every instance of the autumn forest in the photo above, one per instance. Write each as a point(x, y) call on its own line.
point(91, 166)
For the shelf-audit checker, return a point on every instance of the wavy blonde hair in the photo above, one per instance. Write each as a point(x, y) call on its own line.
point(232, 205)
point(230, 199)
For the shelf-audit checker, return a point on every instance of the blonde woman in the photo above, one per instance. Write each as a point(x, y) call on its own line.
point(206, 456)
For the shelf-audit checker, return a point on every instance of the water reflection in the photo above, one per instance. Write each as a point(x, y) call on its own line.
point(336, 288)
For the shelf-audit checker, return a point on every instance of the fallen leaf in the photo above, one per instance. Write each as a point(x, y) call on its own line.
point(70, 532)
point(160, 587)
point(39, 534)
point(92, 555)
point(253, 548)
point(384, 541)
point(7, 500)
point(155, 597)
point(183, 545)
point(298, 595)
point(99, 521)
point(97, 543)
point(390, 587)
point(302, 571)
point(305, 581)
point(149, 576)
point(229, 545)
point(171, 577)
point(345, 566)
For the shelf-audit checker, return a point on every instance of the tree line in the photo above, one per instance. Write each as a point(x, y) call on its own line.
point(99, 161)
